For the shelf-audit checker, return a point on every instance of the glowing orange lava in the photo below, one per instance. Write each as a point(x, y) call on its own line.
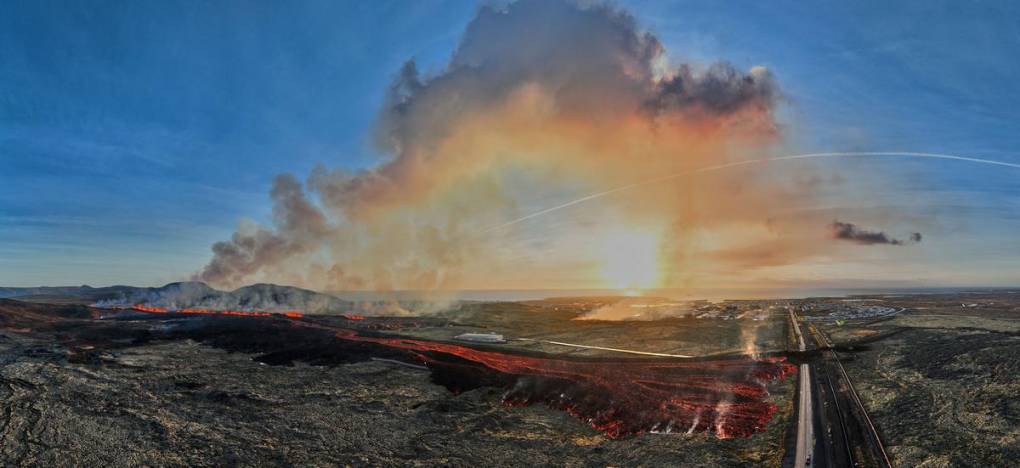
point(152, 310)
point(616, 396)
point(237, 313)
point(626, 396)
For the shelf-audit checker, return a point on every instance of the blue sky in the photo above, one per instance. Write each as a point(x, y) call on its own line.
point(135, 134)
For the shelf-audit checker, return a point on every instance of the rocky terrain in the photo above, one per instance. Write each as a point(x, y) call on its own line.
point(80, 390)
point(941, 378)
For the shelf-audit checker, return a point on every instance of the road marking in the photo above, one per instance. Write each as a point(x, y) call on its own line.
point(399, 363)
point(617, 350)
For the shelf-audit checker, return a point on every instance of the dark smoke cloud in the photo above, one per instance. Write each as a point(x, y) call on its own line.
point(595, 62)
point(299, 224)
point(723, 89)
point(850, 232)
point(543, 84)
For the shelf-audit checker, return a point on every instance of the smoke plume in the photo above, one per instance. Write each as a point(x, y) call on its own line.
point(850, 232)
point(541, 99)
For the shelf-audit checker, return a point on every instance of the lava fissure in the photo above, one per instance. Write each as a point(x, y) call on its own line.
point(724, 396)
point(194, 311)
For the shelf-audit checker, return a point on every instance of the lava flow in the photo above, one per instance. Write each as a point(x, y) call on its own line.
point(617, 397)
point(237, 313)
point(727, 397)
point(149, 309)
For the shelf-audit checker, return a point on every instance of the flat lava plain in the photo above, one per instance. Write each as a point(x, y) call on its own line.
point(84, 386)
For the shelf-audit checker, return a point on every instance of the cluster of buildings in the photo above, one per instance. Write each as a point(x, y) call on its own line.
point(837, 312)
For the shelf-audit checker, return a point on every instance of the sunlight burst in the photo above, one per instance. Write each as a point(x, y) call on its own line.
point(630, 258)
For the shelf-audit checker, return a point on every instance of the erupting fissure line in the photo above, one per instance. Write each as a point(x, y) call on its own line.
point(719, 167)
point(239, 313)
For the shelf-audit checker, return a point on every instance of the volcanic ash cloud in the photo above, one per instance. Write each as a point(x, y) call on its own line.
point(538, 96)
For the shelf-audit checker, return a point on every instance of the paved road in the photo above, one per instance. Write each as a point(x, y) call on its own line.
point(805, 420)
point(866, 427)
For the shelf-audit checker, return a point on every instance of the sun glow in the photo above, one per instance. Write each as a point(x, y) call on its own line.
point(630, 259)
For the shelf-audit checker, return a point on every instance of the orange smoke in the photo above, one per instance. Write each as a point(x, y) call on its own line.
point(542, 102)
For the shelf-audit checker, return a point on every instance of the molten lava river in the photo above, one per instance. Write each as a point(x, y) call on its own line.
point(618, 397)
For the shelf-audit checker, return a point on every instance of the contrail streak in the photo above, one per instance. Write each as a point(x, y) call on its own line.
point(901, 154)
